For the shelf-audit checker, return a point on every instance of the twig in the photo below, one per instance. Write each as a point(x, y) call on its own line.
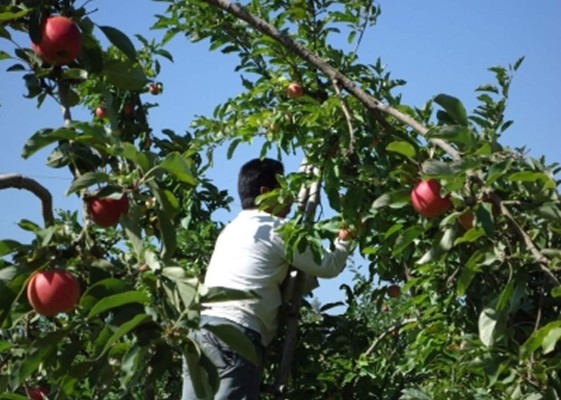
point(363, 27)
point(18, 181)
point(64, 93)
point(542, 260)
point(377, 341)
point(348, 117)
point(369, 101)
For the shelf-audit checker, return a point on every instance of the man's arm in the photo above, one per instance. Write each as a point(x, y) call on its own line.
point(332, 262)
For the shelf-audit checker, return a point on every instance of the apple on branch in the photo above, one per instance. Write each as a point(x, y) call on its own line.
point(60, 42)
point(106, 211)
point(294, 90)
point(101, 112)
point(52, 292)
point(427, 200)
point(393, 291)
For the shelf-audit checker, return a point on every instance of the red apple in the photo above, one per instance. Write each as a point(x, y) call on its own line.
point(155, 88)
point(61, 41)
point(128, 110)
point(106, 211)
point(101, 112)
point(294, 90)
point(53, 292)
point(466, 220)
point(393, 291)
point(426, 199)
point(38, 393)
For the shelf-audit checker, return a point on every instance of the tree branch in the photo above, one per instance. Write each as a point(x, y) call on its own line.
point(369, 101)
point(348, 117)
point(18, 181)
point(372, 104)
point(387, 332)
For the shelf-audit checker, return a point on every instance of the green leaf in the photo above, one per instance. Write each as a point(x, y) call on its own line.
point(488, 320)
point(405, 238)
point(76, 73)
point(395, 199)
point(125, 329)
point(484, 215)
point(199, 375)
point(45, 137)
point(5, 346)
point(125, 75)
point(131, 153)
point(403, 148)
point(532, 176)
point(117, 300)
point(131, 363)
point(178, 167)
point(40, 350)
point(87, 180)
point(452, 169)
point(12, 396)
point(444, 241)
point(550, 340)
point(452, 133)
point(472, 267)
point(9, 15)
point(169, 235)
point(120, 40)
point(550, 211)
point(235, 339)
point(453, 107)
point(103, 289)
point(556, 292)
point(175, 273)
point(9, 246)
point(545, 337)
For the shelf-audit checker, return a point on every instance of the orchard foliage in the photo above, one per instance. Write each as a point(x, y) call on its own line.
point(478, 313)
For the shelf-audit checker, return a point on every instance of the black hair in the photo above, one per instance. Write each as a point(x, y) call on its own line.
point(254, 175)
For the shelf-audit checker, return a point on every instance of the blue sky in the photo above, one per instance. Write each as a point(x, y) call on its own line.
point(436, 46)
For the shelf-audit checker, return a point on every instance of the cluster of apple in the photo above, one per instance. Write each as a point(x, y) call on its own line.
point(57, 291)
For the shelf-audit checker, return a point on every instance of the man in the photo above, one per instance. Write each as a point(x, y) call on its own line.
point(250, 255)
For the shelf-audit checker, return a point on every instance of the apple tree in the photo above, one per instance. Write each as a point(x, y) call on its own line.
point(475, 253)
point(478, 317)
point(100, 303)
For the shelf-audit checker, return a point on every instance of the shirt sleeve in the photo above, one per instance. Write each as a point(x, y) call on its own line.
point(332, 262)
point(331, 265)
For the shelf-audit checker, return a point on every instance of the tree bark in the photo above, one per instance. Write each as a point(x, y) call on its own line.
point(18, 181)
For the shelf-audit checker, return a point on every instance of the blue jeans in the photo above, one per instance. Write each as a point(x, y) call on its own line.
point(239, 378)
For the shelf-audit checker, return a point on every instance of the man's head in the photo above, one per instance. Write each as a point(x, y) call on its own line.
point(257, 177)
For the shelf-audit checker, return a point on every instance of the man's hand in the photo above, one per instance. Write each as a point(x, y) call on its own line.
point(345, 235)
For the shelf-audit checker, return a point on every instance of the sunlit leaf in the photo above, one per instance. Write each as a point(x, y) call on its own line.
point(86, 180)
point(488, 320)
point(403, 148)
point(178, 167)
point(117, 300)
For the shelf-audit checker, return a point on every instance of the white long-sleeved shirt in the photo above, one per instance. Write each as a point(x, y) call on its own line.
point(250, 255)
